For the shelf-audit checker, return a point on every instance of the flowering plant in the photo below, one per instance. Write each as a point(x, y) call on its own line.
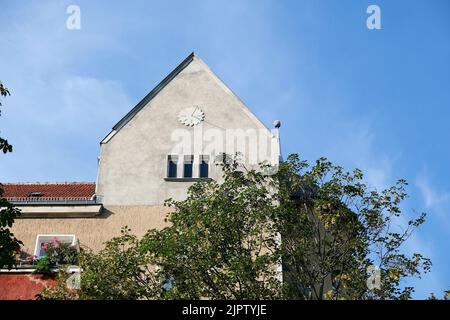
point(60, 252)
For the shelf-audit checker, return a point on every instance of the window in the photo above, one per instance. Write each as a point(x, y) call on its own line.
point(42, 239)
point(204, 167)
point(172, 166)
point(193, 167)
point(187, 166)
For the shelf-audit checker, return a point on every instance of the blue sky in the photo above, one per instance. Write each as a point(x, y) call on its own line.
point(374, 99)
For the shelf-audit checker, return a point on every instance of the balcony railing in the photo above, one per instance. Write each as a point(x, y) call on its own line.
point(53, 200)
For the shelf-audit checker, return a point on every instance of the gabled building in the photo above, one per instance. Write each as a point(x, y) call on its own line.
point(169, 140)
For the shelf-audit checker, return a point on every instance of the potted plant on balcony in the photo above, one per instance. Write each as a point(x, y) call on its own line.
point(56, 254)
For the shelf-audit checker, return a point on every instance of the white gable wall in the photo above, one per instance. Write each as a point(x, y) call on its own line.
point(133, 160)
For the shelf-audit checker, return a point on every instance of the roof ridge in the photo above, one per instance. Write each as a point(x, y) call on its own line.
point(155, 91)
point(161, 85)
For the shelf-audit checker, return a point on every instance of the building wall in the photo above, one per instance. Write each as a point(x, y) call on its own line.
point(133, 163)
point(23, 286)
point(133, 160)
point(92, 232)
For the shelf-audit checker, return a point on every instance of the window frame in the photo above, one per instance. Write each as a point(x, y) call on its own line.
point(38, 243)
point(172, 159)
point(204, 159)
point(191, 164)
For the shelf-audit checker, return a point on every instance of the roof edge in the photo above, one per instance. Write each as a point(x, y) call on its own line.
point(141, 104)
point(244, 106)
point(122, 122)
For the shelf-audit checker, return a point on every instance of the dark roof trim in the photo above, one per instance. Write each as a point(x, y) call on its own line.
point(154, 92)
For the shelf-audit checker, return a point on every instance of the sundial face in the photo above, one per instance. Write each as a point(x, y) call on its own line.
point(191, 116)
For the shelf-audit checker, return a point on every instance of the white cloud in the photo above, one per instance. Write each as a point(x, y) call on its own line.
point(89, 101)
point(59, 109)
point(355, 147)
point(437, 201)
point(56, 137)
point(431, 196)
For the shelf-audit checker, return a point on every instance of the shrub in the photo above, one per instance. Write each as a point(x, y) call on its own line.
point(43, 266)
point(60, 252)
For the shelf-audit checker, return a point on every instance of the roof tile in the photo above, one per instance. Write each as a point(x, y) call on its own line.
point(49, 190)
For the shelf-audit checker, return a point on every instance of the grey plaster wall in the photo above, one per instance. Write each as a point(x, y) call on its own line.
point(133, 160)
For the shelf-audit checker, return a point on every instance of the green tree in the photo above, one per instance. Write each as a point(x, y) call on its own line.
point(227, 239)
point(221, 242)
point(335, 229)
point(445, 296)
point(60, 290)
point(119, 271)
point(9, 244)
point(4, 145)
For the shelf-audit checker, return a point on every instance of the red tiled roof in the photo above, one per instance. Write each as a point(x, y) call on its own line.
point(62, 190)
